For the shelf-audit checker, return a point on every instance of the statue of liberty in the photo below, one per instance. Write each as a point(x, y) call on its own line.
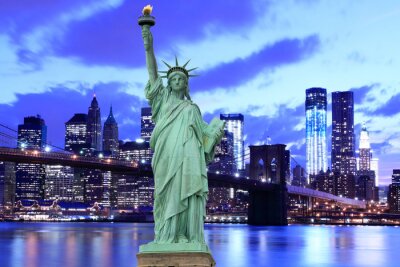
point(183, 145)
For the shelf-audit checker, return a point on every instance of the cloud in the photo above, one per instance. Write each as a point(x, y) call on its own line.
point(390, 108)
point(360, 93)
point(286, 51)
point(120, 38)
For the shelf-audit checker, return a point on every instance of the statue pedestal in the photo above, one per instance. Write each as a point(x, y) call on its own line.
point(174, 255)
point(175, 259)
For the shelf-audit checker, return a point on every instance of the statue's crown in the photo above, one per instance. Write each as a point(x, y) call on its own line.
point(177, 68)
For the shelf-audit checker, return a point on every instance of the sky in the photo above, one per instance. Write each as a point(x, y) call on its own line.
point(253, 57)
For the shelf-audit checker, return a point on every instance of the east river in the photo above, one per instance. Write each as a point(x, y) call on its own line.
point(116, 244)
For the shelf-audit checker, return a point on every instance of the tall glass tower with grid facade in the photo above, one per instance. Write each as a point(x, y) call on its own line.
point(234, 125)
point(316, 147)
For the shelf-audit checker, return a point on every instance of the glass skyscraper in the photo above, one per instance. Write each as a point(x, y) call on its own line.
point(234, 124)
point(343, 138)
point(76, 133)
point(110, 135)
point(364, 150)
point(316, 148)
point(94, 125)
point(394, 192)
point(30, 177)
point(146, 124)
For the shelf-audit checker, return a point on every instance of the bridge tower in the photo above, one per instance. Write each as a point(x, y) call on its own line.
point(269, 164)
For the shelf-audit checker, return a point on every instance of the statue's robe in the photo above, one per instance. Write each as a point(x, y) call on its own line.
point(179, 167)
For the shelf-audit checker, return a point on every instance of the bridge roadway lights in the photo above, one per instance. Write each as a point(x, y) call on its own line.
point(268, 207)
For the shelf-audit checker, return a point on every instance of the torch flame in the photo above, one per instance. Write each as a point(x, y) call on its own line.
point(147, 10)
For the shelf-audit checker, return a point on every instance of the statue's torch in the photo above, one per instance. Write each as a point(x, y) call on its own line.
point(146, 18)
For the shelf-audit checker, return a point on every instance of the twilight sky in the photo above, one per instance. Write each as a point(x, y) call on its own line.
point(254, 57)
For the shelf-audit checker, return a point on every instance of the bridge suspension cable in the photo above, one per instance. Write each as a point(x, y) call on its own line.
point(10, 137)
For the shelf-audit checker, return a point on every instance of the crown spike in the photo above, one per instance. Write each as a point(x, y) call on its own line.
point(177, 68)
point(184, 66)
point(192, 69)
point(166, 64)
point(163, 71)
point(193, 75)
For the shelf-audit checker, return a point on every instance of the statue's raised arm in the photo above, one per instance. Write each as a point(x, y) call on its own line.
point(150, 57)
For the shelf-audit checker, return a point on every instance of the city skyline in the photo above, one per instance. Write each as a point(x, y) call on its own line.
point(59, 56)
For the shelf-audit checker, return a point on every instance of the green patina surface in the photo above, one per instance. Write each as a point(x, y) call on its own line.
point(183, 145)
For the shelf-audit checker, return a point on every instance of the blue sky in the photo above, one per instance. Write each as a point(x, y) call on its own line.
point(254, 57)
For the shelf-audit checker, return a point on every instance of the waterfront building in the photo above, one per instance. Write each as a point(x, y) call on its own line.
point(394, 192)
point(326, 182)
point(299, 176)
point(365, 187)
point(110, 183)
point(94, 125)
point(29, 177)
point(234, 124)
point(224, 159)
point(146, 124)
point(110, 135)
point(93, 185)
point(345, 185)
point(316, 147)
point(220, 198)
point(135, 191)
point(59, 183)
point(76, 134)
point(7, 184)
point(29, 181)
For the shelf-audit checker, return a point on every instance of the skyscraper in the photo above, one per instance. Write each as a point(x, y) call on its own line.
point(299, 176)
point(394, 192)
point(94, 125)
point(366, 178)
point(76, 133)
point(343, 138)
point(316, 148)
point(135, 191)
point(146, 124)
point(375, 168)
point(224, 160)
point(364, 150)
point(7, 183)
point(59, 182)
point(32, 135)
point(234, 124)
point(110, 135)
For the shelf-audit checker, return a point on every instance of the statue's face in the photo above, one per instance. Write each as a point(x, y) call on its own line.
point(178, 82)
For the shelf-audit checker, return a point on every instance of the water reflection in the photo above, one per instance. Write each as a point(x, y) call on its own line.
point(105, 244)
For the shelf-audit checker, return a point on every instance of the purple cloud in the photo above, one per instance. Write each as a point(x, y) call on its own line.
point(361, 92)
point(286, 51)
point(20, 17)
point(114, 38)
point(390, 108)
